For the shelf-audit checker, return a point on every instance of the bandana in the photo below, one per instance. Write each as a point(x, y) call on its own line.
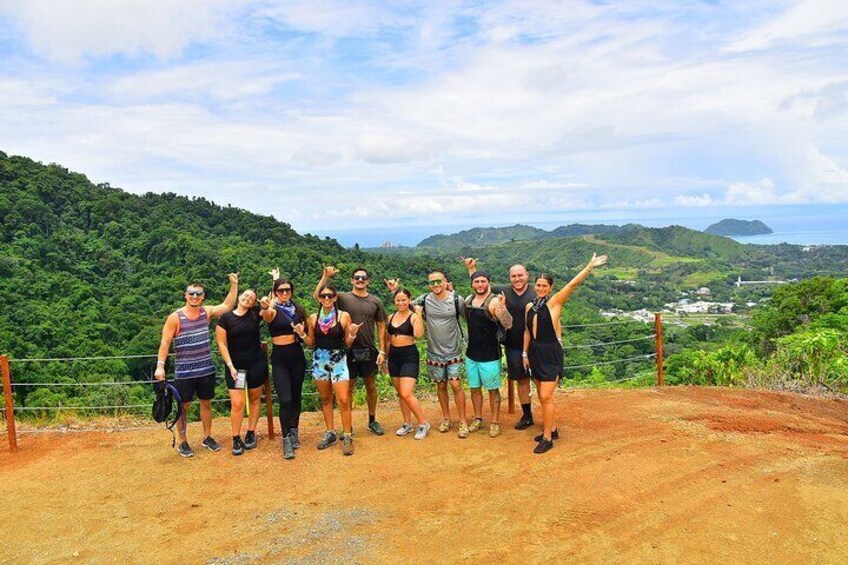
point(288, 308)
point(326, 321)
point(538, 303)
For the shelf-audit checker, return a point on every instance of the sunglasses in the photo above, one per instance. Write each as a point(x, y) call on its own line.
point(435, 282)
point(326, 295)
point(195, 293)
point(283, 290)
point(360, 277)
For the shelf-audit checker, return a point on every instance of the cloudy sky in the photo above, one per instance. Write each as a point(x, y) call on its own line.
point(356, 113)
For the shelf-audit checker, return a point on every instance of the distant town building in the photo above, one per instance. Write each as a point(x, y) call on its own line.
point(703, 291)
point(387, 244)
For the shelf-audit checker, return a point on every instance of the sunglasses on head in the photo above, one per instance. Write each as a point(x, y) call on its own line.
point(360, 277)
point(435, 282)
point(283, 289)
point(326, 295)
point(195, 292)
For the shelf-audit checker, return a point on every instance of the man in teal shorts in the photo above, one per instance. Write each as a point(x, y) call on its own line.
point(485, 312)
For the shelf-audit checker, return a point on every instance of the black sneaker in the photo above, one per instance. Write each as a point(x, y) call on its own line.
point(238, 446)
point(210, 444)
point(250, 439)
point(374, 427)
point(554, 435)
point(185, 450)
point(524, 423)
point(544, 446)
point(295, 438)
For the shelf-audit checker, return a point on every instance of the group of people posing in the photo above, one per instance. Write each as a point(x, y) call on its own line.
point(352, 337)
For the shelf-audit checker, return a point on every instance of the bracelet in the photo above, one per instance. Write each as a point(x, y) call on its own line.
point(160, 363)
point(524, 354)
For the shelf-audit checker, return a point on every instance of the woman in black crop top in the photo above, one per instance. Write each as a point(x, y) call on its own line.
point(404, 327)
point(288, 363)
point(542, 350)
point(237, 334)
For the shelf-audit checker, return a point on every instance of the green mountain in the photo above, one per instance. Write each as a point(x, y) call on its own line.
point(479, 237)
point(738, 227)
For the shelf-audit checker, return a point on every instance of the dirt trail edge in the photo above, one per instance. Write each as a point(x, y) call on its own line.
point(673, 475)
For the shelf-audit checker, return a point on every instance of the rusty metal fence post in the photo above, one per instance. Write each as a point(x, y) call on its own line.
point(658, 330)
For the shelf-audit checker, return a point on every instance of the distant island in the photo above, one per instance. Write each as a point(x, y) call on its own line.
point(738, 227)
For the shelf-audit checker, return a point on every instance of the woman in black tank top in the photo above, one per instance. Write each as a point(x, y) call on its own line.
point(542, 350)
point(404, 327)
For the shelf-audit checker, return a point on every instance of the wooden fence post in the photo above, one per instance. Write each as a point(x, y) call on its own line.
point(658, 330)
point(10, 403)
point(269, 402)
point(510, 387)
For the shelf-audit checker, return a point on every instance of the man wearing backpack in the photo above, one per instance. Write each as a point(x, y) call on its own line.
point(518, 295)
point(194, 373)
point(441, 310)
point(487, 317)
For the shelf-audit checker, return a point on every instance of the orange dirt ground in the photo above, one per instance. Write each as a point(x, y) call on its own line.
point(673, 475)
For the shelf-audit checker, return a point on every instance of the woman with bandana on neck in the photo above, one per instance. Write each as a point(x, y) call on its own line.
point(542, 350)
point(288, 363)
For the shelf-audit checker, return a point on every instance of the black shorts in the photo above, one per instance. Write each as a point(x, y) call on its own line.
point(256, 368)
point(545, 361)
point(204, 387)
point(515, 370)
point(361, 362)
point(404, 361)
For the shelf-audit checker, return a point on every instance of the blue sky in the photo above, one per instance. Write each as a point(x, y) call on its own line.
point(358, 114)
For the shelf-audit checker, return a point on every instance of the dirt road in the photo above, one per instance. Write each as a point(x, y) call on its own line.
point(675, 475)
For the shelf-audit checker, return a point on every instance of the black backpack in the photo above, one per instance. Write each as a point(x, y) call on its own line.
point(163, 405)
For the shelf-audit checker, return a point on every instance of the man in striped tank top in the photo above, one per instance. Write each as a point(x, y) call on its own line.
point(194, 372)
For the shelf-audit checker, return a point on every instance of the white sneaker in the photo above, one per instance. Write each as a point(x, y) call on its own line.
point(422, 430)
point(404, 430)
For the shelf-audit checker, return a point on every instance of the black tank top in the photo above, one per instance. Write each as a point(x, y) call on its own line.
point(333, 339)
point(545, 332)
point(482, 336)
point(282, 322)
point(404, 329)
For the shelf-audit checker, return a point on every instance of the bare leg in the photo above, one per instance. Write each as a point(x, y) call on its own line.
point(255, 399)
point(325, 391)
point(477, 402)
point(404, 407)
point(546, 397)
point(371, 394)
point(182, 423)
point(495, 405)
point(459, 399)
point(342, 391)
point(444, 400)
point(523, 391)
point(236, 410)
point(206, 417)
point(407, 392)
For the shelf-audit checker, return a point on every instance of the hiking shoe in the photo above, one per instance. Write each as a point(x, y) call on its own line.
point(375, 428)
point(404, 430)
point(185, 450)
point(250, 439)
point(554, 435)
point(422, 430)
point(328, 440)
point(463, 430)
point(347, 444)
point(288, 448)
point(295, 438)
point(544, 445)
point(523, 423)
point(444, 426)
point(238, 446)
point(210, 444)
point(494, 429)
point(475, 425)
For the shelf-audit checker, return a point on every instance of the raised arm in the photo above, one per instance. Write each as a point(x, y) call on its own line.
point(498, 310)
point(327, 273)
point(168, 333)
point(470, 264)
point(221, 338)
point(417, 326)
point(229, 302)
point(266, 309)
point(564, 293)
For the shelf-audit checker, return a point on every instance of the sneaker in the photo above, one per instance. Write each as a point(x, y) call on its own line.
point(544, 445)
point(494, 430)
point(250, 439)
point(375, 428)
point(347, 444)
point(288, 448)
point(238, 446)
point(422, 430)
point(463, 430)
point(404, 430)
point(444, 426)
point(210, 444)
point(295, 438)
point(328, 440)
point(524, 423)
point(475, 425)
point(554, 435)
point(185, 450)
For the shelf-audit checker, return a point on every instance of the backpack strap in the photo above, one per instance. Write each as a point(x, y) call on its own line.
point(179, 402)
point(456, 309)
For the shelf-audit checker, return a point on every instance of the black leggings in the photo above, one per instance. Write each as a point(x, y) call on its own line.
point(288, 368)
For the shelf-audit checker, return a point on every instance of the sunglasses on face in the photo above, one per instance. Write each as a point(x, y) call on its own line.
point(435, 282)
point(360, 277)
point(283, 290)
point(326, 295)
point(195, 293)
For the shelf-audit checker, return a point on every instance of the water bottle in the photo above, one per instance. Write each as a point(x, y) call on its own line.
point(240, 378)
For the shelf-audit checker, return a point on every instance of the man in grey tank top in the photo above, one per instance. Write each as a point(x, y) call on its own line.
point(442, 311)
